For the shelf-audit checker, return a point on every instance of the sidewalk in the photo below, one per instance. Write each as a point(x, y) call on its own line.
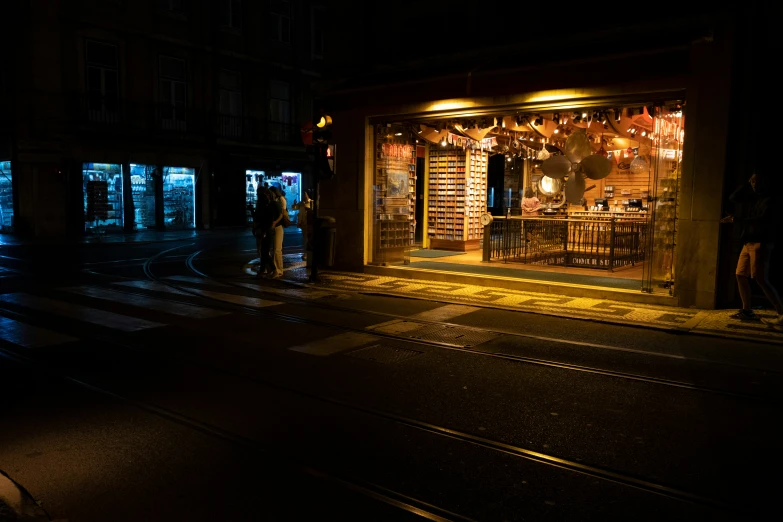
point(702, 322)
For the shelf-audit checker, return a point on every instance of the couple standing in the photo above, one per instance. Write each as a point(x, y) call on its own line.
point(269, 219)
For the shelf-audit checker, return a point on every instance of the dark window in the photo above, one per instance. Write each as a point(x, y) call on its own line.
point(231, 14)
point(103, 79)
point(317, 22)
point(280, 102)
point(280, 20)
point(173, 89)
point(230, 118)
point(175, 6)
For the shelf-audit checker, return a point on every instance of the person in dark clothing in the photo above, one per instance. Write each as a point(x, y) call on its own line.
point(266, 216)
point(758, 223)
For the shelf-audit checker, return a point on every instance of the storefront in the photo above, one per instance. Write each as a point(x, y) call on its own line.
point(179, 197)
point(103, 197)
point(590, 194)
point(289, 183)
point(6, 197)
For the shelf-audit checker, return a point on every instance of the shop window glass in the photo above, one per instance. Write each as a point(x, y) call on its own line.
point(143, 187)
point(253, 178)
point(289, 184)
point(179, 197)
point(280, 20)
point(102, 81)
point(173, 92)
point(665, 173)
point(102, 187)
point(6, 197)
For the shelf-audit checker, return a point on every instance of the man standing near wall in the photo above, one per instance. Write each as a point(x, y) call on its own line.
point(758, 236)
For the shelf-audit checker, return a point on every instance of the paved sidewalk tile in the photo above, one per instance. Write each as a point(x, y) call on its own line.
point(707, 322)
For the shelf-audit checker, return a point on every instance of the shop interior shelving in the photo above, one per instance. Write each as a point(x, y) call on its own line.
point(457, 198)
point(6, 200)
point(395, 207)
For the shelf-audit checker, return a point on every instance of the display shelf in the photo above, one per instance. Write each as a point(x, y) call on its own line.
point(395, 196)
point(6, 197)
point(457, 191)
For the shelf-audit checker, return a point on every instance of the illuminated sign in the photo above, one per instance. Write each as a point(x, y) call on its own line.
point(397, 151)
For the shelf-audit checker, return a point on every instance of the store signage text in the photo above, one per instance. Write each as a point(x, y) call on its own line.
point(397, 151)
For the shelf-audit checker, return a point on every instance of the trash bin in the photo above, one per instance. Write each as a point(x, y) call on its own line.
point(327, 234)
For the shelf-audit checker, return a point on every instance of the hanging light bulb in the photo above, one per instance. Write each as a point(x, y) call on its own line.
point(443, 142)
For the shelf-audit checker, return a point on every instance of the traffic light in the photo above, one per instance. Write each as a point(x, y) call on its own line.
point(324, 151)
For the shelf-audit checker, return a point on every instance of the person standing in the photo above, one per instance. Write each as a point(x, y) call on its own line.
point(531, 205)
point(267, 213)
point(278, 226)
point(758, 223)
point(303, 207)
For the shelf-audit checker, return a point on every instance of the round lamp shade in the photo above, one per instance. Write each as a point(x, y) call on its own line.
point(549, 186)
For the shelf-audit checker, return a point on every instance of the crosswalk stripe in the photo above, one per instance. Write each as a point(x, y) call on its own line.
point(335, 344)
point(197, 280)
point(290, 292)
point(160, 305)
point(78, 312)
point(444, 313)
point(30, 336)
point(253, 302)
point(151, 285)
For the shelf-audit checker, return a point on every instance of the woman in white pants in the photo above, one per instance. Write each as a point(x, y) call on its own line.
point(278, 244)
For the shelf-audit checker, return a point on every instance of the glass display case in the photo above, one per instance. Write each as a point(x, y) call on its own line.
point(253, 178)
point(102, 189)
point(179, 197)
point(6, 197)
point(143, 187)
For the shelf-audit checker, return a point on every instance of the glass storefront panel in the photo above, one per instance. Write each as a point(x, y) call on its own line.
point(6, 197)
point(102, 187)
point(143, 186)
point(290, 184)
point(582, 195)
point(253, 178)
point(179, 197)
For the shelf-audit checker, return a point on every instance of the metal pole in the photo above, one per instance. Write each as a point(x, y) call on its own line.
point(314, 239)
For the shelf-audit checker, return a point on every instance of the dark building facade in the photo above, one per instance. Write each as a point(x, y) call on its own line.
point(681, 91)
point(126, 115)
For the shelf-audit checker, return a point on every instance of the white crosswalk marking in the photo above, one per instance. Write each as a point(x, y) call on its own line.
point(335, 344)
point(151, 285)
point(160, 305)
point(80, 313)
point(253, 302)
point(30, 336)
point(444, 313)
point(197, 280)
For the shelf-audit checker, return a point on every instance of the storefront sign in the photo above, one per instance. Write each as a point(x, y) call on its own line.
point(395, 151)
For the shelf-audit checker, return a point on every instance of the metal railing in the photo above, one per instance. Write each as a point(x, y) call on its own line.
point(603, 244)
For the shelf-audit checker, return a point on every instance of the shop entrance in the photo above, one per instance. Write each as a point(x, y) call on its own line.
point(103, 197)
point(6, 197)
point(585, 196)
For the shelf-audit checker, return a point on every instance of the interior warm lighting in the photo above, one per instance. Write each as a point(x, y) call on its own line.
point(557, 130)
point(398, 134)
point(450, 105)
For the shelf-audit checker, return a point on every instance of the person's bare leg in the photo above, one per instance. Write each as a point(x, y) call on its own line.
point(744, 289)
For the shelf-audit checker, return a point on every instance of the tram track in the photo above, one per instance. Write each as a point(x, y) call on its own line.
point(498, 355)
point(378, 492)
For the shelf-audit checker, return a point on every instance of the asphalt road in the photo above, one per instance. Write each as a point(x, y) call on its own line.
point(134, 388)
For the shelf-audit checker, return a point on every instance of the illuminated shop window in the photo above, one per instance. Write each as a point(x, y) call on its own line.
point(179, 197)
point(102, 187)
point(6, 197)
point(290, 185)
point(253, 178)
point(143, 187)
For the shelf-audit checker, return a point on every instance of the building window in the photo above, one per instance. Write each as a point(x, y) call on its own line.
point(317, 23)
point(230, 104)
point(103, 91)
point(174, 6)
point(173, 92)
point(280, 19)
point(232, 14)
point(279, 111)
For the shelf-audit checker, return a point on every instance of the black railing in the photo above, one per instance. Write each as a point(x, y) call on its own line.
point(603, 244)
point(102, 112)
